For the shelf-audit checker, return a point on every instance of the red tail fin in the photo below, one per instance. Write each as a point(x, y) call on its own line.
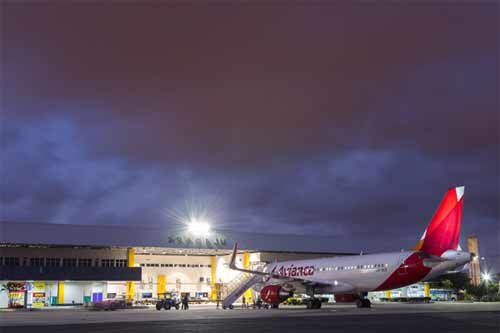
point(443, 231)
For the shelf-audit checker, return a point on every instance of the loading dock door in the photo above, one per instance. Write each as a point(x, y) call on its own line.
point(96, 297)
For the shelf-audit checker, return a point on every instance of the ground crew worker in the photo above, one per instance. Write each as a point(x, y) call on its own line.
point(186, 302)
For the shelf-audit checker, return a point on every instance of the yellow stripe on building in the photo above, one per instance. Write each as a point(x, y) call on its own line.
point(427, 289)
point(213, 295)
point(162, 283)
point(130, 293)
point(246, 264)
point(131, 257)
point(60, 292)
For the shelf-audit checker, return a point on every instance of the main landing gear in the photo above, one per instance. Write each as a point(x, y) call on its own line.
point(313, 303)
point(363, 301)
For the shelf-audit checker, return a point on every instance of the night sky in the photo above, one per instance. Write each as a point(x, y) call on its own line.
point(343, 120)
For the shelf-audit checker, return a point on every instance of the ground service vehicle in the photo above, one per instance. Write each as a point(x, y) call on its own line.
point(167, 301)
point(294, 301)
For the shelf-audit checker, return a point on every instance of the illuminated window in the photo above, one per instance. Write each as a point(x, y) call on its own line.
point(121, 263)
point(69, 262)
point(84, 262)
point(52, 262)
point(11, 261)
point(36, 261)
point(107, 262)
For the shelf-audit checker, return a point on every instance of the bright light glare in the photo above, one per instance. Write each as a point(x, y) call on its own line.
point(198, 228)
point(486, 277)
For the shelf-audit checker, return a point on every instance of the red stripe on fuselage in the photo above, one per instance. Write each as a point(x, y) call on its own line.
point(409, 272)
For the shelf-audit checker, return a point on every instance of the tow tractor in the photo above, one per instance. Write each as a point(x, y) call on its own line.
point(167, 301)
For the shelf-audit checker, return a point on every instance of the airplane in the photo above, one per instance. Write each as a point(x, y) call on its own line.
point(436, 253)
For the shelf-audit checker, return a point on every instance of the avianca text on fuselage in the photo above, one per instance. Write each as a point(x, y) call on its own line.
point(293, 271)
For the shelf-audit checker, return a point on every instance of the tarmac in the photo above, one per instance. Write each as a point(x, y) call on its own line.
point(439, 317)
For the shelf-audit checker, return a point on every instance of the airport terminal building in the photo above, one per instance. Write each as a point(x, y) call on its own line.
point(62, 264)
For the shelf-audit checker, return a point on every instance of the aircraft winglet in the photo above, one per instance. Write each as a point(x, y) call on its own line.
point(232, 263)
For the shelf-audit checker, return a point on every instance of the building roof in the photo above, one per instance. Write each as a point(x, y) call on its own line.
point(147, 236)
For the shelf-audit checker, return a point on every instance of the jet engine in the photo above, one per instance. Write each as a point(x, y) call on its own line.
point(274, 294)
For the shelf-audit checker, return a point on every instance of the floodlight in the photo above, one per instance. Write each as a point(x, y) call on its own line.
point(198, 228)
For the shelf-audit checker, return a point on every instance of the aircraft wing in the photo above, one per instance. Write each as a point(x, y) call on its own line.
point(336, 286)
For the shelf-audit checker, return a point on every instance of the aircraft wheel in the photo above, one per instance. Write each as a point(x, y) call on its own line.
point(367, 303)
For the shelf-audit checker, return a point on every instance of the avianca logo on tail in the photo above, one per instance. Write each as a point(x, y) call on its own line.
point(293, 271)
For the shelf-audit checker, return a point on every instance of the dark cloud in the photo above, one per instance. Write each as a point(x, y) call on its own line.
point(335, 119)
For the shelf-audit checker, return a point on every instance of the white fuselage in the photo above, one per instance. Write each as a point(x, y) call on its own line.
point(361, 273)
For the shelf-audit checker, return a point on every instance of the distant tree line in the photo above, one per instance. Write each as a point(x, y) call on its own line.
point(485, 291)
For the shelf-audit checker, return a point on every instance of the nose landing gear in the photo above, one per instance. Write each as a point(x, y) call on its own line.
point(313, 303)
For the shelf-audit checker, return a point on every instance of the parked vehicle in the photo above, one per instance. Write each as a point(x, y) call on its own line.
point(109, 305)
